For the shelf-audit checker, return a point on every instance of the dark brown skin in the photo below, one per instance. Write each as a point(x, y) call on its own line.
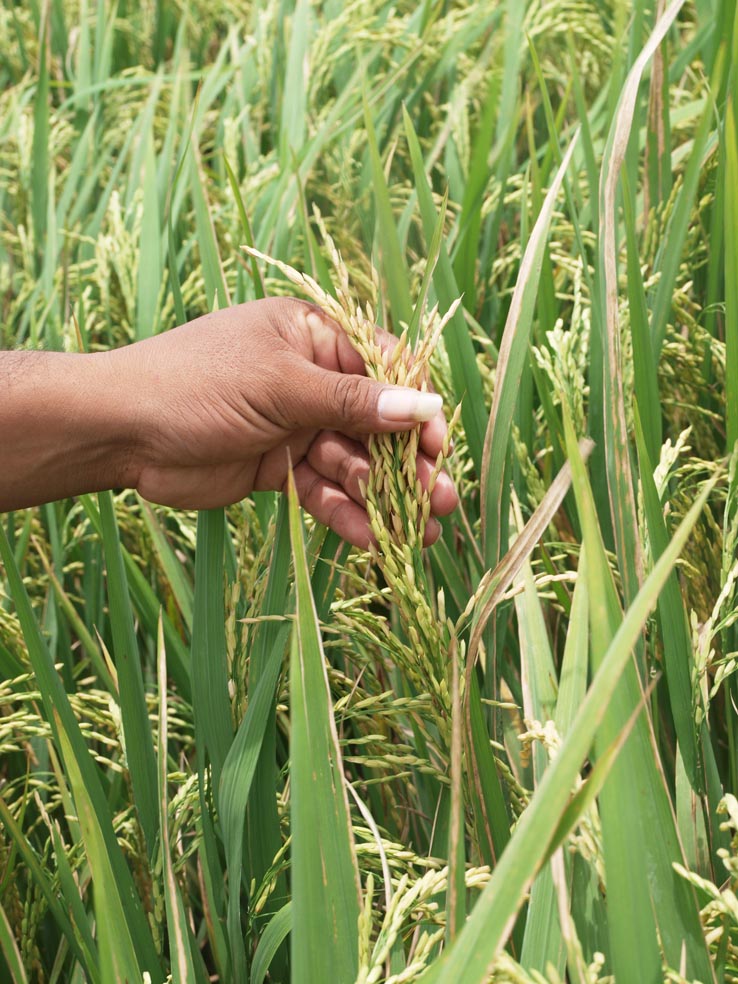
point(206, 413)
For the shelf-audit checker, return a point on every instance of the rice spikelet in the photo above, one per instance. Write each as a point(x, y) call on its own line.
point(397, 505)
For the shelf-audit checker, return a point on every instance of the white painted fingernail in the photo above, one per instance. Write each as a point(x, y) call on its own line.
point(398, 403)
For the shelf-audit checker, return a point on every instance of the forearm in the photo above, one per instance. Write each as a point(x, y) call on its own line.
point(67, 426)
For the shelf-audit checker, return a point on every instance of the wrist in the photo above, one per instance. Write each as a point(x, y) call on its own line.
point(108, 407)
point(68, 425)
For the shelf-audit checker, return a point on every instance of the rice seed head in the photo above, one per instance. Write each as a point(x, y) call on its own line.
point(398, 506)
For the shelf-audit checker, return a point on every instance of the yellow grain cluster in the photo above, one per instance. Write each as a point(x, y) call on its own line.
point(397, 504)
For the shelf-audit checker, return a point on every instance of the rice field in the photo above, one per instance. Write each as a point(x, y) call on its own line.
point(233, 748)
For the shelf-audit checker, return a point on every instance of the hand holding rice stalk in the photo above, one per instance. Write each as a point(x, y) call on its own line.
point(398, 504)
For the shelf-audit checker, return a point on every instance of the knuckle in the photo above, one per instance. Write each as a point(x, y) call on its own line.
point(288, 317)
point(346, 477)
point(307, 484)
point(350, 398)
point(335, 515)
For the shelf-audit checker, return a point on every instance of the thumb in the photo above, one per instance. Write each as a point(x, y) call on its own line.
point(345, 402)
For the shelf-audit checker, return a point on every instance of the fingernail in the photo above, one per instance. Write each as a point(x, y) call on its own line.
point(398, 403)
point(432, 530)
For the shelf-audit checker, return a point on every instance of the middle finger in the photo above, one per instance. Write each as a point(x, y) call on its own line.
point(346, 463)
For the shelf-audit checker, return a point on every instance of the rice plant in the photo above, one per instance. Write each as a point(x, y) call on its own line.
point(234, 748)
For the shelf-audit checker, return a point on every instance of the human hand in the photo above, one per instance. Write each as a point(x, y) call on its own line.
point(224, 402)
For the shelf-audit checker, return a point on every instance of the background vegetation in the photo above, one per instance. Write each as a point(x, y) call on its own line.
point(513, 758)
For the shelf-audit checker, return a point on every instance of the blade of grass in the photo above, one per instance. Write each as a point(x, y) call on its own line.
point(251, 759)
point(48, 890)
point(40, 163)
point(103, 47)
point(183, 971)
point(462, 357)
point(118, 959)
point(174, 570)
point(669, 256)
point(324, 872)
point(263, 831)
point(235, 789)
point(258, 280)
point(76, 624)
point(179, 307)
point(57, 708)
point(150, 248)
point(134, 714)
point(272, 938)
point(70, 891)
point(586, 796)
point(617, 451)
point(468, 960)
point(494, 583)
point(731, 252)
point(490, 812)
point(675, 632)
point(215, 286)
point(542, 940)
point(212, 712)
point(573, 674)
point(10, 950)
point(513, 352)
point(293, 117)
point(147, 606)
point(470, 219)
point(647, 908)
point(456, 892)
point(394, 266)
point(211, 703)
point(644, 365)
point(432, 255)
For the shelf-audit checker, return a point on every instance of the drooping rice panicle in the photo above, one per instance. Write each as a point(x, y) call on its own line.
point(397, 504)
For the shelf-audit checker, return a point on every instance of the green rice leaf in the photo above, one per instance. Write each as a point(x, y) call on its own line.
point(59, 714)
point(543, 941)
point(324, 872)
point(118, 959)
point(134, 714)
point(212, 269)
point(394, 266)
point(175, 572)
point(251, 761)
point(468, 960)
point(645, 902)
point(211, 703)
point(183, 971)
point(674, 628)
point(462, 357)
point(617, 451)
point(513, 353)
point(40, 159)
point(10, 950)
point(150, 256)
point(731, 254)
point(293, 120)
point(47, 888)
point(272, 938)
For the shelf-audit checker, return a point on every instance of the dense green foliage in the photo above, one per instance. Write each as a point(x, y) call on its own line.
point(514, 758)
